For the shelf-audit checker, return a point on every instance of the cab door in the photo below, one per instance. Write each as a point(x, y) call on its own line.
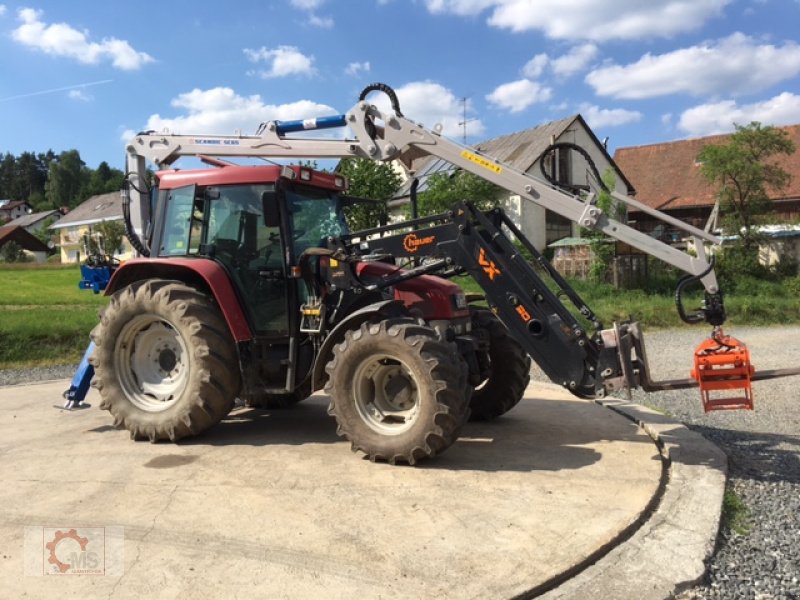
point(237, 237)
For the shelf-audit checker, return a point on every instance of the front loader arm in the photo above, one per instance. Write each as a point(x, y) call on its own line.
point(468, 241)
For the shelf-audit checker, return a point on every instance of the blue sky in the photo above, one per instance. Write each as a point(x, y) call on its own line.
point(86, 74)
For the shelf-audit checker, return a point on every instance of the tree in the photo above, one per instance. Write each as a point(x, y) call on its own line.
point(44, 235)
point(12, 252)
point(368, 179)
point(444, 190)
point(745, 170)
point(103, 179)
point(112, 233)
point(67, 180)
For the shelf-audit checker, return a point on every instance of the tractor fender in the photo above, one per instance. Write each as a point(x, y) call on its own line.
point(201, 273)
point(378, 311)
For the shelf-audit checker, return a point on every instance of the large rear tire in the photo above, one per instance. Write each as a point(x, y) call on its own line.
point(165, 364)
point(397, 391)
point(509, 367)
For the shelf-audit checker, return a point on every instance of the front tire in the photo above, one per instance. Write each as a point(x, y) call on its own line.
point(165, 364)
point(509, 370)
point(397, 391)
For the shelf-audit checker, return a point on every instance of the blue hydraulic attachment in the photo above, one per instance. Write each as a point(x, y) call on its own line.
point(95, 278)
point(79, 387)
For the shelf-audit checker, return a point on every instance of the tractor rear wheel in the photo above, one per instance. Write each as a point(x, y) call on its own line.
point(397, 391)
point(165, 363)
point(509, 367)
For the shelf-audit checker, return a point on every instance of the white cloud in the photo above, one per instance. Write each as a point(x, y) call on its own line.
point(731, 66)
point(459, 7)
point(80, 94)
point(598, 117)
point(536, 66)
point(282, 61)
point(307, 4)
point(431, 103)
point(321, 22)
point(589, 19)
point(719, 117)
point(310, 7)
point(356, 68)
point(60, 39)
point(566, 65)
point(518, 95)
point(222, 111)
point(2, 9)
point(577, 59)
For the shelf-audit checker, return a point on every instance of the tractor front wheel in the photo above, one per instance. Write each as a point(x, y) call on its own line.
point(397, 391)
point(165, 363)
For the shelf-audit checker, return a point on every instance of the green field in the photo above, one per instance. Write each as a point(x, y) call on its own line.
point(45, 319)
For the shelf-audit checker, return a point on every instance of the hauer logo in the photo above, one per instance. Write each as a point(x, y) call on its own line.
point(412, 243)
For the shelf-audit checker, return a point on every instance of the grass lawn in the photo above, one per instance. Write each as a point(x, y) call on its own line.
point(768, 304)
point(45, 318)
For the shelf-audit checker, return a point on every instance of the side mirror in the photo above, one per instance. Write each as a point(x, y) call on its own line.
point(269, 204)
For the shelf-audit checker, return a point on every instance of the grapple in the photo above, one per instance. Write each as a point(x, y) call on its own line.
point(722, 365)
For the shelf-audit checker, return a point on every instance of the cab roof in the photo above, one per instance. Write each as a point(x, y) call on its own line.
point(237, 174)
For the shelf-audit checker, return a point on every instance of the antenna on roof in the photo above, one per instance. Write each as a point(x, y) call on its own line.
point(464, 121)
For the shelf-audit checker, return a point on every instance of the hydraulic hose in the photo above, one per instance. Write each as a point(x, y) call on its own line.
point(570, 146)
point(382, 87)
point(130, 232)
point(713, 310)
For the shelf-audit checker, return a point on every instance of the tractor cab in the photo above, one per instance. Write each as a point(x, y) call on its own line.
point(253, 221)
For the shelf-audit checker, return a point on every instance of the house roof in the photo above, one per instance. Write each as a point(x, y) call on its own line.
point(32, 219)
point(520, 150)
point(27, 241)
point(667, 176)
point(103, 207)
point(12, 204)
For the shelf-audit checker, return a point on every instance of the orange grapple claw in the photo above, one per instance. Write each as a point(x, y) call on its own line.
point(722, 363)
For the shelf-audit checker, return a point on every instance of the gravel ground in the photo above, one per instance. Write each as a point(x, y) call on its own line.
point(763, 447)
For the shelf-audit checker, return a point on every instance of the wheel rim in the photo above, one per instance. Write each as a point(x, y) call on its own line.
point(386, 395)
point(152, 362)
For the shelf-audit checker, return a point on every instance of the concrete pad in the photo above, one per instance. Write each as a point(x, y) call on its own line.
point(273, 504)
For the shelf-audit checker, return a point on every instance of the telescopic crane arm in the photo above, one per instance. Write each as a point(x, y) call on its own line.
point(384, 136)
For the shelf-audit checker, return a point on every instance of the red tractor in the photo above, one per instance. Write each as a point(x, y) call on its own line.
point(250, 286)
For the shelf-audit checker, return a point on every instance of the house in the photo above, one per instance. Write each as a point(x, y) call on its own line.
point(13, 209)
point(667, 177)
point(34, 222)
point(80, 221)
point(523, 150)
point(31, 245)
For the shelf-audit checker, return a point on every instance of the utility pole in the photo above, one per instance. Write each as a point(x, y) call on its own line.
point(464, 121)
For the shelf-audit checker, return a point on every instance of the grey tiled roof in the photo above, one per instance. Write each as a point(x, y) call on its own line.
point(104, 207)
point(28, 220)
